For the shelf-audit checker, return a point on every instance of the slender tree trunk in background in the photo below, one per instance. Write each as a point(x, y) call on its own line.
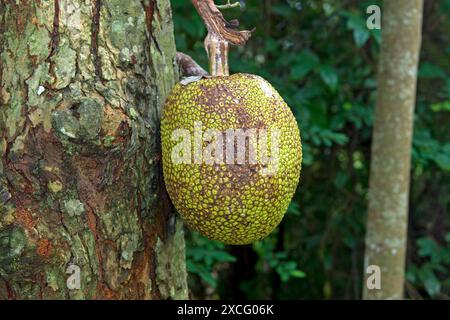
point(82, 87)
point(391, 149)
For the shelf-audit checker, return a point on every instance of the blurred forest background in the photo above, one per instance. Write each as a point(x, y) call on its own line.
point(322, 59)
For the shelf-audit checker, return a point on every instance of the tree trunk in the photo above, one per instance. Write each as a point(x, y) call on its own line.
point(82, 87)
point(391, 148)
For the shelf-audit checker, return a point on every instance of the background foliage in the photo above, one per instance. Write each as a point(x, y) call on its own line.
point(322, 59)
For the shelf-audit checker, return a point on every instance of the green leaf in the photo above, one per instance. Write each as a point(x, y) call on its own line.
point(271, 45)
point(442, 159)
point(222, 256)
point(294, 208)
point(427, 247)
point(360, 32)
point(329, 76)
point(341, 179)
point(202, 272)
point(298, 274)
point(432, 285)
point(429, 70)
point(361, 36)
point(282, 10)
point(329, 137)
point(376, 33)
point(350, 241)
point(306, 62)
point(410, 274)
point(442, 106)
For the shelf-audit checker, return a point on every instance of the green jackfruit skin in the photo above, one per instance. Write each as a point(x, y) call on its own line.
point(231, 203)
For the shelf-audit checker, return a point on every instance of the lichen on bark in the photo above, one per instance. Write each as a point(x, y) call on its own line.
point(82, 87)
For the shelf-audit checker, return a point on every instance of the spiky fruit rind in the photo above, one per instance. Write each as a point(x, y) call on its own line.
point(232, 203)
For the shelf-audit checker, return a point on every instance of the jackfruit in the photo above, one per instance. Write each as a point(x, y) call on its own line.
point(231, 153)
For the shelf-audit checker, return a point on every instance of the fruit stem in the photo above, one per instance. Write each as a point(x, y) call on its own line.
point(217, 50)
point(221, 34)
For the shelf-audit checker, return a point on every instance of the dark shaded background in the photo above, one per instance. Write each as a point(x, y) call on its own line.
point(322, 59)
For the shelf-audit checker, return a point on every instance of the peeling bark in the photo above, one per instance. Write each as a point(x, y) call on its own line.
point(391, 148)
point(82, 87)
point(188, 67)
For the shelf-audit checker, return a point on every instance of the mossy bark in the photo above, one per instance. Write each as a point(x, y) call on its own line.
point(82, 87)
point(391, 148)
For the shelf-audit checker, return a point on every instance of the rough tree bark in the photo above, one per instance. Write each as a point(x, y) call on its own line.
point(82, 87)
point(391, 147)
